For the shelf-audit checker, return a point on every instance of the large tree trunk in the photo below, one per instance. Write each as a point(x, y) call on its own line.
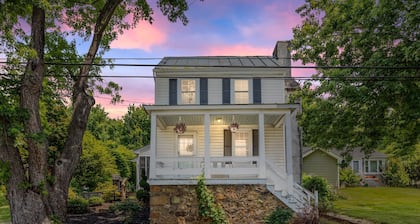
point(33, 198)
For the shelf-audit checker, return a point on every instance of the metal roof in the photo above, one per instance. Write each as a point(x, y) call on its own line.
point(222, 61)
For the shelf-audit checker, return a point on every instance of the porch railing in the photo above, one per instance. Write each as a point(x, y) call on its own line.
point(220, 167)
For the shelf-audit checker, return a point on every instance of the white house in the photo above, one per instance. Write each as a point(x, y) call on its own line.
point(229, 117)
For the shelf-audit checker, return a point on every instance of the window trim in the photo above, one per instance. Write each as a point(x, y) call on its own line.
point(367, 164)
point(194, 136)
point(196, 91)
point(233, 92)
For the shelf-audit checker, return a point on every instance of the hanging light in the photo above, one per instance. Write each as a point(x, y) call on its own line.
point(234, 126)
point(180, 127)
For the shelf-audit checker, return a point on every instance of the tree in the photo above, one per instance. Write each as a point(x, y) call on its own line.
point(372, 100)
point(136, 131)
point(36, 31)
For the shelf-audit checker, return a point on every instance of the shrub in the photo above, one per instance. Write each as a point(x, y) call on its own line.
point(279, 216)
point(109, 191)
point(129, 209)
point(348, 177)
point(71, 194)
point(395, 174)
point(95, 201)
point(325, 194)
point(77, 205)
point(143, 196)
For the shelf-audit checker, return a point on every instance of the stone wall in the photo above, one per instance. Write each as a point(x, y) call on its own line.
point(242, 203)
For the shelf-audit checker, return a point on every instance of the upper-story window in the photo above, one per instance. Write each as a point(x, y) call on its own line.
point(241, 91)
point(188, 91)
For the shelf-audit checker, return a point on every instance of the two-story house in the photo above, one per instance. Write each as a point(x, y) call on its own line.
point(229, 118)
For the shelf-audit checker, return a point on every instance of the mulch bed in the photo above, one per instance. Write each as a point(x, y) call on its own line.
point(102, 215)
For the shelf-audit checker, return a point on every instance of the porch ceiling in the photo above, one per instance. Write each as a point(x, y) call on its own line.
point(223, 119)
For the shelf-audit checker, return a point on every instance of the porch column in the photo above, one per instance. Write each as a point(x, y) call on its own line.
point(288, 141)
point(152, 171)
point(207, 145)
point(261, 144)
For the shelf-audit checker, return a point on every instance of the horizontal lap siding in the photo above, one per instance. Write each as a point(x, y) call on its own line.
point(162, 91)
point(165, 143)
point(274, 146)
point(272, 91)
point(215, 91)
point(216, 140)
point(321, 164)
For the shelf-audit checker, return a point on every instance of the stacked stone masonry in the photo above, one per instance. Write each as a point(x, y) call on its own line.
point(242, 203)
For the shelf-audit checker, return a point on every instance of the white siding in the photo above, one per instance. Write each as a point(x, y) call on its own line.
point(215, 91)
point(165, 146)
point(216, 140)
point(274, 146)
point(272, 91)
point(162, 91)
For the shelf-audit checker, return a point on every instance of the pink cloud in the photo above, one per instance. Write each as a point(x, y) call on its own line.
point(144, 37)
point(238, 50)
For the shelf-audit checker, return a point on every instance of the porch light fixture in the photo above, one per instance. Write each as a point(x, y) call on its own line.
point(234, 126)
point(180, 127)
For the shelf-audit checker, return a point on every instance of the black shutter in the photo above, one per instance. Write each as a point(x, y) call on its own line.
point(226, 90)
point(173, 92)
point(255, 142)
point(227, 143)
point(257, 90)
point(204, 91)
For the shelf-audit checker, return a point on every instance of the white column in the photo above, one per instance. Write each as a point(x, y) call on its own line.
point(261, 144)
point(153, 147)
point(138, 172)
point(207, 145)
point(288, 141)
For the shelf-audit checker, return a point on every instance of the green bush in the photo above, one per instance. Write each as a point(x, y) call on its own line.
point(143, 196)
point(129, 208)
point(395, 174)
point(77, 205)
point(279, 216)
point(109, 191)
point(95, 201)
point(348, 177)
point(325, 194)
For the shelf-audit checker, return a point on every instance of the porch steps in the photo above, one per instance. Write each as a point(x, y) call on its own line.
point(288, 199)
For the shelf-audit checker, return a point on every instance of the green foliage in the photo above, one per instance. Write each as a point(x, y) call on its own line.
point(357, 106)
point(129, 208)
point(279, 216)
point(320, 184)
point(95, 201)
point(348, 177)
point(395, 174)
point(413, 168)
point(136, 130)
point(4, 172)
point(207, 205)
point(143, 196)
point(108, 190)
point(77, 205)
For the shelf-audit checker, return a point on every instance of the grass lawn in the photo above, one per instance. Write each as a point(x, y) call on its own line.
point(380, 204)
point(4, 206)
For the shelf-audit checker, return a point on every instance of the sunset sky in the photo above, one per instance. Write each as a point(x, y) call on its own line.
point(216, 28)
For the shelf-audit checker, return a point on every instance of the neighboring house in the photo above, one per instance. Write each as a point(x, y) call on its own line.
point(142, 163)
point(369, 167)
point(323, 163)
point(229, 117)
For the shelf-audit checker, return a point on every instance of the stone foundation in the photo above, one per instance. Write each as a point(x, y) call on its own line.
point(242, 203)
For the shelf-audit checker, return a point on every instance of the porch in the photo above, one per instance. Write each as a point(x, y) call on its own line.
point(203, 148)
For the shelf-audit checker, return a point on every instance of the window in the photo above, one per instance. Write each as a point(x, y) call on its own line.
point(186, 145)
point(241, 89)
point(144, 165)
point(356, 166)
point(188, 91)
point(240, 143)
point(374, 165)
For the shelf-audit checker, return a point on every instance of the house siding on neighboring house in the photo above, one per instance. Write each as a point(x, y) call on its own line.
point(324, 164)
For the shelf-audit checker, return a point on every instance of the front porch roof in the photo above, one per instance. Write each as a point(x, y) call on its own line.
point(220, 114)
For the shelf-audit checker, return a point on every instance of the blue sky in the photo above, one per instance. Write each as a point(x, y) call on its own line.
point(216, 27)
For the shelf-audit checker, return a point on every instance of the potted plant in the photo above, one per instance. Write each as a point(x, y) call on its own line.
point(180, 128)
point(234, 127)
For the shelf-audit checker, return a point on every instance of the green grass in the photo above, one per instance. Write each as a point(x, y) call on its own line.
point(380, 204)
point(4, 206)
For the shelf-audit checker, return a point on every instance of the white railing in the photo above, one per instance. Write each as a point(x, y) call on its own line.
point(220, 167)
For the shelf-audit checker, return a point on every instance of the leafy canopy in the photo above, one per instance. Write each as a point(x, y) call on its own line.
point(373, 108)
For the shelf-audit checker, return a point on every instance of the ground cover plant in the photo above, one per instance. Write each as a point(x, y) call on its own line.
point(380, 204)
point(4, 206)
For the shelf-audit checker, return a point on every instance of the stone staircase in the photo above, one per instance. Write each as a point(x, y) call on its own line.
point(291, 194)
